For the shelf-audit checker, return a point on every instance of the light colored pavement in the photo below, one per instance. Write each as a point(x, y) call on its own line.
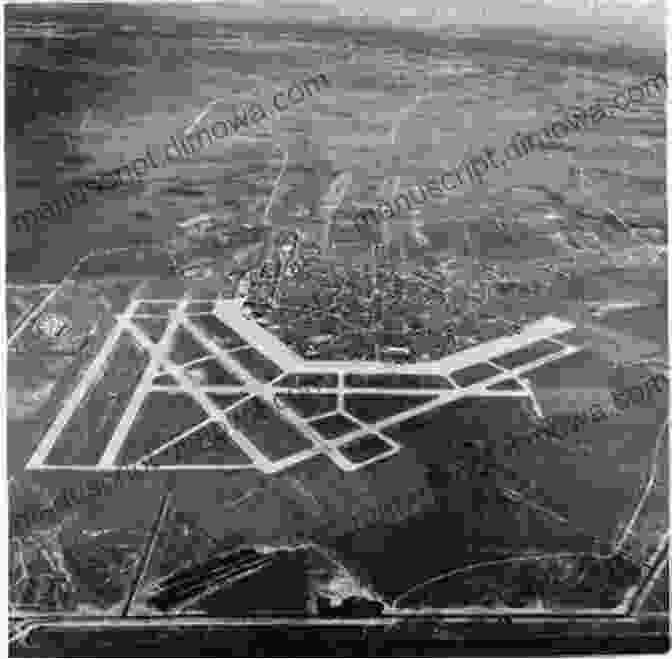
point(474, 367)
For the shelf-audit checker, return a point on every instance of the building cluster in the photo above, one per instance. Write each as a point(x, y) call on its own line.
point(200, 242)
point(327, 309)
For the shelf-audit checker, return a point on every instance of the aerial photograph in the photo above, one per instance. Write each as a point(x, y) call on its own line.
point(336, 328)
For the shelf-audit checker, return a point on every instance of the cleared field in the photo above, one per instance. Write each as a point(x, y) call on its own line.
point(271, 433)
point(209, 444)
point(649, 323)
point(258, 365)
point(153, 327)
point(587, 368)
point(90, 428)
point(186, 348)
point(598, 488)
point(372, 408)
point(163, 416)
point(476, 528)
point(309, 405)
point(596, 476)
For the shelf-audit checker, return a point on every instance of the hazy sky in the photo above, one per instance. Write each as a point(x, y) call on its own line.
point(635, 20)
point(639, 22)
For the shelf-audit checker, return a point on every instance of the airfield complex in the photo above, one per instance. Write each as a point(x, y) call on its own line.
point(319, 369)
point(204, 384)
point(242, 377)
point(309, 357)
point(329, 378)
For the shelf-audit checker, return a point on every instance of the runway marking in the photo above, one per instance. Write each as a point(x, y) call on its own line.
point(258, 390)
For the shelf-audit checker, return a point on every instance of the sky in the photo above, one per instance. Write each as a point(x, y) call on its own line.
point(637, 22)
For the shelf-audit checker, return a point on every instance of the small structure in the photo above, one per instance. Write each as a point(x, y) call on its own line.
point(198, 225)
point(52, 325)
point(200, 268)
point(318, 339)
point(396, 351)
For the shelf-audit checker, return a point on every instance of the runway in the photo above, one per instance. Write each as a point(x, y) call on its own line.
point(340, 409)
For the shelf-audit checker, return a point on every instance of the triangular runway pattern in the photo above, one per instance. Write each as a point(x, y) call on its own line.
point(220, 392)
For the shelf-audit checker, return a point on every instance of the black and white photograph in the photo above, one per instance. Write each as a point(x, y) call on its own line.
point(336, 328)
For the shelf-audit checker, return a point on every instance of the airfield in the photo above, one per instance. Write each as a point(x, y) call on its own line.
point(235, 442)
point(261, 446)
point(209, 363)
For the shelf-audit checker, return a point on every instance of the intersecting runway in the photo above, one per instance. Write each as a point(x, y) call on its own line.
point(264, 407)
